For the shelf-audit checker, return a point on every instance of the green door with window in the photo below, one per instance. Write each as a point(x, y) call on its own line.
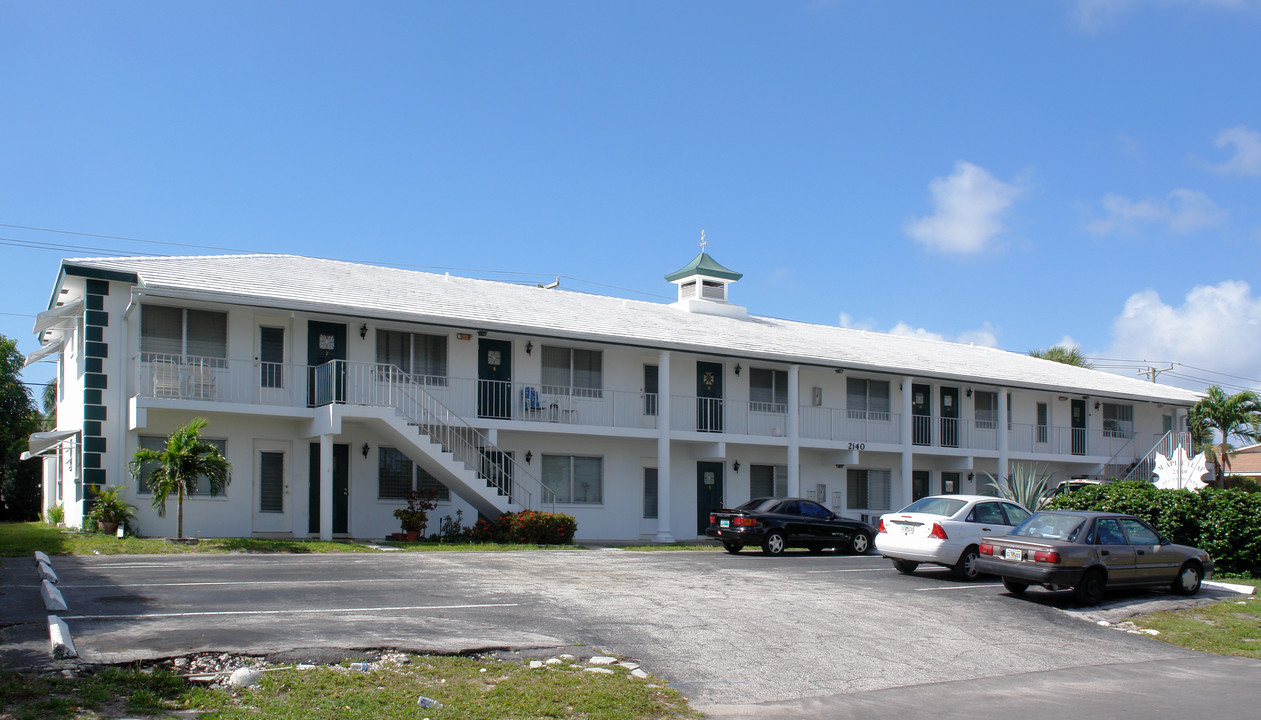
point(494, 379)
point(921, 414)
point(950, 417)
point(1078, 411)
point(326, 343)
point(709, 397)
point(708, 492)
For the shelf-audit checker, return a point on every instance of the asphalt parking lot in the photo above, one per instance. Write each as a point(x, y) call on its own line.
point(742, 635)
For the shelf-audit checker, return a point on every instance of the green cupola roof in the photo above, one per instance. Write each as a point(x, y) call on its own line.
point(705, 265)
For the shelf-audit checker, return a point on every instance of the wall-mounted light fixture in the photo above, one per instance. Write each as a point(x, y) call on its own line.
point(529, 347)
point(969, 392)
point(737, 368)
point(1096, 404)
point(1063, 398)
point(463, 336)
point(364, 450)
point(840, 370)
point(735, 466)
point(363, 331)
point(528, 457)
point(970, 476)
point(481, 333)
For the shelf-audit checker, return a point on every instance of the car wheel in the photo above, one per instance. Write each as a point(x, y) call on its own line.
point(1188, 580)
point(906, 567)
point(1090, 590)
point(966, 568)
point(859, 544)
point(732, 547)
point(774, 543)
point(1015, 588)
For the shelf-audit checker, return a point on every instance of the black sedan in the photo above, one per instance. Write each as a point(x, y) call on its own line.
point(1090, 552)
point(776, 524)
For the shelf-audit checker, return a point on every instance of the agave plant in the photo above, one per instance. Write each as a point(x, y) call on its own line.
point(1028, 485)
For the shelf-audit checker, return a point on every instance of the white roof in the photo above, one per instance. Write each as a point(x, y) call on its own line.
point(372, 292)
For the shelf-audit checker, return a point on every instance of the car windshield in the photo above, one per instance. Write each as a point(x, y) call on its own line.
point(935, 506)
point(758, 505)
point(1051, 526)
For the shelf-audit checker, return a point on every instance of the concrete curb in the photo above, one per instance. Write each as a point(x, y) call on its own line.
point(52, 597)
point(59, 638)
point(42, 557)
point(46, 572)
point(1241, 589)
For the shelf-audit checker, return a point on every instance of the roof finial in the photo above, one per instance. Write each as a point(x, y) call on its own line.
point(703, 243)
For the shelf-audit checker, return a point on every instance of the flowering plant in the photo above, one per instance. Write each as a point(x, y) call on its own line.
point(415, 516)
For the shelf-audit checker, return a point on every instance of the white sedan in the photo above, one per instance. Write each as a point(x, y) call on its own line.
point(945, 530)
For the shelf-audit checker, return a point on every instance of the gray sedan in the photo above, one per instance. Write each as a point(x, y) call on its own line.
point(1091, 552)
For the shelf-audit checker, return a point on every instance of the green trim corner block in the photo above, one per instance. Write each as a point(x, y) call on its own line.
point(93, 444)
point(97, 381)
point(95, 412)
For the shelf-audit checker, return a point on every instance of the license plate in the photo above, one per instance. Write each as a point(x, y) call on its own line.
point(908, 529)
point(1012, 554)
point(724, 523)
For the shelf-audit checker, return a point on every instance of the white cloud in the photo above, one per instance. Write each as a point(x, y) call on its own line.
point(1247, 158)
point(1093, 15)
point(1182, 211)
point(1217, 328)
point(986, 335)
point(968, 209)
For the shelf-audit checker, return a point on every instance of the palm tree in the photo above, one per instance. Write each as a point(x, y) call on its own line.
point(1227, 416)
point(186, 459)
point(1062, 354)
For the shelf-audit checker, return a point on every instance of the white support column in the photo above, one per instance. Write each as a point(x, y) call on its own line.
point(663, 449)
point(908, 454)
point(794, 436)
point(326, 487)
point(1003, 438)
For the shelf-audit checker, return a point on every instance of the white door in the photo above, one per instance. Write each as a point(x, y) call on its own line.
point(273, 470)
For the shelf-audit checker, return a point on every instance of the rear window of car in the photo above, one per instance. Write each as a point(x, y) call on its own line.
point(758, 505)
point(1051, 526)
point(935, 506)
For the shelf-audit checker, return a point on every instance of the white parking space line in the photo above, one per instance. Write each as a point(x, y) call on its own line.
point(958, 587)
point(305, 583)
point(820, 572)
point(312, 611)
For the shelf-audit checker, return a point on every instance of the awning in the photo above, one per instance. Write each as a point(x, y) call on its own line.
point(45, 351)
point(58, 315)
point(41, 442)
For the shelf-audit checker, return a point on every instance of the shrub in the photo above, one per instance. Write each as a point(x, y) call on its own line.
point(55, 514)
point(1224, 523)
point(527, 527)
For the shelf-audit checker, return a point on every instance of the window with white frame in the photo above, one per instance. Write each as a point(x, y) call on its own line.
point(574, 479)
point(768, 481)
point(573, 371)
point(173, 334)
point(157, 443)
point(650, 493)
point(867, 399)
point(986, 403)
point(1118, 420)
point(768, 390)
point(425, 482)
point(868, 489)
point(422, 358)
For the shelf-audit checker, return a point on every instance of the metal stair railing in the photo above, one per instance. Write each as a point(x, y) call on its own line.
point(385, 385)
point(1112, 461)
point(1166, 445)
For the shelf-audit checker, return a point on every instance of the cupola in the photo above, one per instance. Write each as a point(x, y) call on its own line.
point(704, 287)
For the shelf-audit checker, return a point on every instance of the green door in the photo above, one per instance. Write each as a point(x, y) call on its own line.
point(1079, 427)
point(708, 492)
point(950, 417)
point(494, 379)
point(326, 342)
point(921, 414)
point(709, 397)
point(341, 489)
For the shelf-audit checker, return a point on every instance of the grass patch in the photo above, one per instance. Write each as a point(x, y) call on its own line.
point(682, 545)
point(20, 539)
point(1230, 627)
point(470, 688)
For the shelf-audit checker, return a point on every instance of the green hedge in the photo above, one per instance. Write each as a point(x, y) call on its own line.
point(1225, 523)
point(527, 527)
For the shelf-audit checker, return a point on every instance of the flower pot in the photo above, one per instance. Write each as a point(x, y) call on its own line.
point(108, 528)
point(412, 535)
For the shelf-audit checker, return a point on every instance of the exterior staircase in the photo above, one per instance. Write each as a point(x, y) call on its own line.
point(436, 438)
point(1170, 441)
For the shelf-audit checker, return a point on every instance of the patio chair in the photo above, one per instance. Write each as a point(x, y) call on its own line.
point(166, 378)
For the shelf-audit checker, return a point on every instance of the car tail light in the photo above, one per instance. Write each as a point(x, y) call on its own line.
point(880, 526)
point(1046, 557)
point(985, 549)
point(744, 522)
point(938, 532)
point(713, 520)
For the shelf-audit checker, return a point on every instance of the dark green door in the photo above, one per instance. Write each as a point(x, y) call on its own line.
point(1079, 427)
point(950, 417)
point(921, 484)
point(341, 489)
point(494, 379)
point(921, 414)
point(708, 397)
point(326, 342)
point(708, 492)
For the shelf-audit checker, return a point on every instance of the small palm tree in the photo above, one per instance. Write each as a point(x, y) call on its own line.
point(1227, 416)
point(186, 459)
point(1062, 354)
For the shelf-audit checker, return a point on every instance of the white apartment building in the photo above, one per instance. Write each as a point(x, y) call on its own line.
point(335, 388)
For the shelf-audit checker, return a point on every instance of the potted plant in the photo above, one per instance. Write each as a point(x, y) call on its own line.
point(109, 510)
point(415, 516)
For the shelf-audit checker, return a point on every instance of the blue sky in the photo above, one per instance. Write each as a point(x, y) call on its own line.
point(1011, 174)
